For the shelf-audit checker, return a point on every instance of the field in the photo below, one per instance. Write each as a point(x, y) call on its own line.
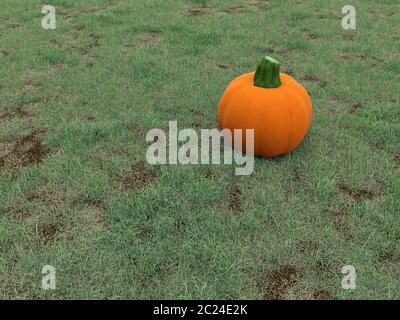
point(77, 193)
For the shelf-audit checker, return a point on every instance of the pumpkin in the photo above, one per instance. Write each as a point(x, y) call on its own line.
point(276, 106)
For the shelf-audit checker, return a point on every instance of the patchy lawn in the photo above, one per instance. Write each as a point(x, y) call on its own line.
point(76, 191)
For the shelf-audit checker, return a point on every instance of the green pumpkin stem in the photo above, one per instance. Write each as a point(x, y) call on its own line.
point(267, 74)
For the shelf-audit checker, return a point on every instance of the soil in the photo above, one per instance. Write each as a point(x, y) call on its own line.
point(232, 9)
point(355, 107)
point(312, 78)
point(280, 281)
point(25, 151)
point(209, 174)
point(340, 223)
point(137, 177)
point(358, 194)
point(198, 11)
point(397, 158)
point(12, 113)
point(48, 232)
point(235, 198)
point(149, 37)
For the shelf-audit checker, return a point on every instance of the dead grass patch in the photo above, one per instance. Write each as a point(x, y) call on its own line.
point(137, 177)
point(309, 35)
point(4, 52)
point(356, 106)
point(353, 55)
point(198, 11)
point(357, 195)
point(389, 256)
point(313, 78)
point(340, 222)
point(348, 36)
point(45, 195)
point(95, 219)
point(397, 158)
point(48, 232)
point(209, 174)
point(149, 37)
point(25, 151)
point(235, 198)
point(232, 9)
point(280, 282)
point(12, 113)
point(258, 4)
point(94, 9)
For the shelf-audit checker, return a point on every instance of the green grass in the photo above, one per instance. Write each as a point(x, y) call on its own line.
point(83, 96)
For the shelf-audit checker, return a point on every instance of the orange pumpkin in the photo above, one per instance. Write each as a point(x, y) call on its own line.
point(276, 106)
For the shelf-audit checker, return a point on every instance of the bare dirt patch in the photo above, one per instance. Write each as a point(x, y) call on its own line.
point(258, 4)
point(353, 55)
point(221, 65)
point(94, 9)
point(313, 78)
point(209, 174)
point(31, 85)
point(255, 2)
point(95, 40)
point(389, 256)
point(25, 151)
point(380, 13)
point(348, 36)
point(280, 282)
point(149, 37)
point(45, 195)
point(4, 52)
point(306, 246)
point(232, 9)
point(397, 158)
point(198, 11)
point(356, 106)
point(16, 210)
point(322, 295)
point(12, 113)
point(358, 194)
point(92, 203)
point(205, 9)
point(374, 61)
point(297, 176)
point(139, 132)
point(48, 232)
point(93, 212)
point(137, 177)
point(340, 222)
point(309, 35)
point(235, 198)
point(95, 218)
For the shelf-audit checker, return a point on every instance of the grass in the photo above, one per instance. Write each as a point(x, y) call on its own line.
point(76, 193)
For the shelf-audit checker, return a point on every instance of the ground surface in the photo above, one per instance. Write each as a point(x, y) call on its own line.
point(76, 192)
